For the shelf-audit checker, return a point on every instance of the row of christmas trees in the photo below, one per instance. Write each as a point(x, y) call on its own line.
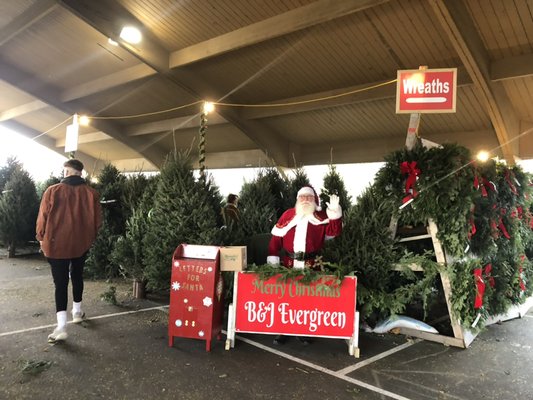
point(483, 211)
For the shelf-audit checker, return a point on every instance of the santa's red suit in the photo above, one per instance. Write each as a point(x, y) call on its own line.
point(302, 236)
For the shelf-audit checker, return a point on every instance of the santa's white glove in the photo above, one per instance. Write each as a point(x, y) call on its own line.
point(334, 210)
point(273, 260)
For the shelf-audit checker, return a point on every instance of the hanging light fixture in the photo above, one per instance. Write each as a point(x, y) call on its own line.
point(131, 35)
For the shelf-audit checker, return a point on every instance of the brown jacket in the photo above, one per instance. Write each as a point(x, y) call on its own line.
point(69, 218)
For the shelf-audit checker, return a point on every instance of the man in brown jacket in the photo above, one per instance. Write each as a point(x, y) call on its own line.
point(68, 221)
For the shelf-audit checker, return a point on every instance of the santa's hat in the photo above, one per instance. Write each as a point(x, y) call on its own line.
point(309, 191)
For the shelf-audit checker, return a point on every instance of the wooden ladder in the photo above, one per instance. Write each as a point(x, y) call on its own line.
point(461, 337)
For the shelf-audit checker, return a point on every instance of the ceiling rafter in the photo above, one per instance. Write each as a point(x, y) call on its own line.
point(22, 109)
point(372, 149)
point(85, 138)
point(148, 50)
point(460, 30)
point(503, 69)
point(283, 24)
point(106, 82)
point(50, 95)
point(34, 13)
point(152, 53)
point(46, 141)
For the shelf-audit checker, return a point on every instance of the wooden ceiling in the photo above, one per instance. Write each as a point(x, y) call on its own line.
point(302, 82)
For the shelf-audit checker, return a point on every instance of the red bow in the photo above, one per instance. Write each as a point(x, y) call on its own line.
point(409, 168)
point(480, 288)
point(488, 270)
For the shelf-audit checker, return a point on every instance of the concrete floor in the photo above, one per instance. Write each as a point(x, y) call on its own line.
point(122, 352)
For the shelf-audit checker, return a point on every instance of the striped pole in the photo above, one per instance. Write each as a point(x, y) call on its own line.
point(201, 145)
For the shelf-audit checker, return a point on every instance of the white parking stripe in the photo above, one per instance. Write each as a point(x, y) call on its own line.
point(377, 357)
point(336, 374)
point(322, 369)
point(36, 328)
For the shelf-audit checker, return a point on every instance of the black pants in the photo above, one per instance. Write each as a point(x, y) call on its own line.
point(60, 272)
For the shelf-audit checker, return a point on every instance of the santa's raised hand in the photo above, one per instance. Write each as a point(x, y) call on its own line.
point(334, 210)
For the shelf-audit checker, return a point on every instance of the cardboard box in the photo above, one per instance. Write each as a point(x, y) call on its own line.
point(233, 258)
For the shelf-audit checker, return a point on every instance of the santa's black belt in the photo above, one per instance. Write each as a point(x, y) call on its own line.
point(302, 256)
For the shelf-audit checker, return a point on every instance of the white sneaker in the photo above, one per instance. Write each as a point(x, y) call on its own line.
point(77, 317)
point(59, 334)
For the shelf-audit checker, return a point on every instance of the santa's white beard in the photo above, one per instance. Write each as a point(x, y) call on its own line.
point(305, 208)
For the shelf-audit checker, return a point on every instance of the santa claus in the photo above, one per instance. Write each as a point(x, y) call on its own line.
point(301, 230)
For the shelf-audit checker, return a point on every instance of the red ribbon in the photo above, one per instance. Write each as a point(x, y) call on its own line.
point(473, 229)
point(504, 231)
point(409, 168)
point(480, 288)
point(520, 273)
point(488, 271)
point(487, 184)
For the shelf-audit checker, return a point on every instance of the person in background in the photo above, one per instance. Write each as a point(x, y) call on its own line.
point(301, 232)
point(67, 224)
point(230, 212)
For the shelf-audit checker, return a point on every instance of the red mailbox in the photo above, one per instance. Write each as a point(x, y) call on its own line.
point(196, 294)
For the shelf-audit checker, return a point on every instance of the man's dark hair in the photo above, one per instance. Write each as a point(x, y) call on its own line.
point(73, 163)
point(232, 198)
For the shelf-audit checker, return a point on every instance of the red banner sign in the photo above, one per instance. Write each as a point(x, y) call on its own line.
point(323, 308)
point(426, 91)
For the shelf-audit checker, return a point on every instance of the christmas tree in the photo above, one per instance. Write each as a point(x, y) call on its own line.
point(18, 210)
point(333, 184)
point(128, 252)
point(182, 213)
point(111, 186)
point(7, 170)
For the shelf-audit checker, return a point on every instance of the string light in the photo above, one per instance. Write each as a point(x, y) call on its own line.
point(482, 156)
point(208, 107)
point(84, 120)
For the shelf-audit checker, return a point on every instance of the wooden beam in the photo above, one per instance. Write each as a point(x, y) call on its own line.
point(168, 125)
point(48, 142)
point(22, 109)
point(300, 18)
point(236, 159)
point(109, 17)
point(375, 149)
point(460, 29)
point(86, 138)
point(90, 11)
point(512, 68)
point(526, 139)
point(50, 95)
point(32, 14)
point(106, 82)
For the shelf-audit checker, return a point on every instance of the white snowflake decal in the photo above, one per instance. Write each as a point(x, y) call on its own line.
point(178, 323)
point(176, 263)
point(176, 286)
point(201, 333)
point(207, 301)
point(210, 269)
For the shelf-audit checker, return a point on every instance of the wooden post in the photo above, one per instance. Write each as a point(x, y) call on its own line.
point(414, 123)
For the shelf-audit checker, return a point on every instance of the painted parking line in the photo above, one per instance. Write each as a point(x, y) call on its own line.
point(36, 328)
point(324, 370)
point(377, 357)
point(337, 374)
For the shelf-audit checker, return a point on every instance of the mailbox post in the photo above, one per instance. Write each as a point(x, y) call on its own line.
point(196, 294)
